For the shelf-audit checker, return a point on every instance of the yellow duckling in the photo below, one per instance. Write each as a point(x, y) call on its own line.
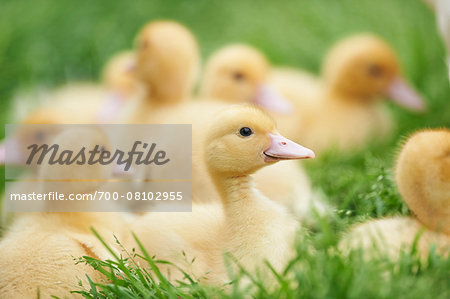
point(166, 60)
point(86, 102)
point(167, 63)
point(38, 250)
point(16, 143)
point(423, 178)
point(119, 74)
point(79, 103)
point(239, 141)
point(80, 100)
point(38, 254)
point(44, 115)
point(239, 74)
point(120, 80)
point(93, 103)
point(342, 108)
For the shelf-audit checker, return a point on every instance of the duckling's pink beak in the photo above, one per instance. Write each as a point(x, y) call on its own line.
point(403, 94)
point(282, 148)
point(270, 99)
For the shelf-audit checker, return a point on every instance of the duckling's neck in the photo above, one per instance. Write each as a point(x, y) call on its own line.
point(233, 189)
point(164, 100)
point(335, 94)
point(162, 96)
point(256, 228)
point(242, 202)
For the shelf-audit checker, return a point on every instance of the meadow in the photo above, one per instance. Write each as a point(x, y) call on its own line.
point(48, 43)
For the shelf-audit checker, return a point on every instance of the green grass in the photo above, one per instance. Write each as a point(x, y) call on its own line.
point(51, 42)
point(317, 273)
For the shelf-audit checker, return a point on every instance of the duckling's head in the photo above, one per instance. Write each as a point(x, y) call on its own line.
point(242, 138)
point(238, 74)
point(423, 177)
point(167, 60)
point(364, 68)
point(26, 135)
point(119, 74)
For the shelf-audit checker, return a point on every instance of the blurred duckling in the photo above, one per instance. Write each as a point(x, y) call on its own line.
point(167, 62)
point(79, 101)
point(239, 74)
point(39, 248)
point(120, 80)
point(423, 178)
point(239, 141)
point(27, 135)
point(64, 105)
point(342, 108)
point(85, 102)
point(13, 148)
point(37, 255)
point(119, 74)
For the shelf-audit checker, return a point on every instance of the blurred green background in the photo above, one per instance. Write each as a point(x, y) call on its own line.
point(49, 42)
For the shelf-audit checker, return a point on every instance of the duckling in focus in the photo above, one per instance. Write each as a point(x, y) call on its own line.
point(423, 178)
point(167, 62)
point(284, 183)
point(342, 108)
point(239, 74)
point(38, 250)
point(239, 141)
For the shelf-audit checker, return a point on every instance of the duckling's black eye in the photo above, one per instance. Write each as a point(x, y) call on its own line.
point(238, 76)
point(375, 70)
point(245, 131)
